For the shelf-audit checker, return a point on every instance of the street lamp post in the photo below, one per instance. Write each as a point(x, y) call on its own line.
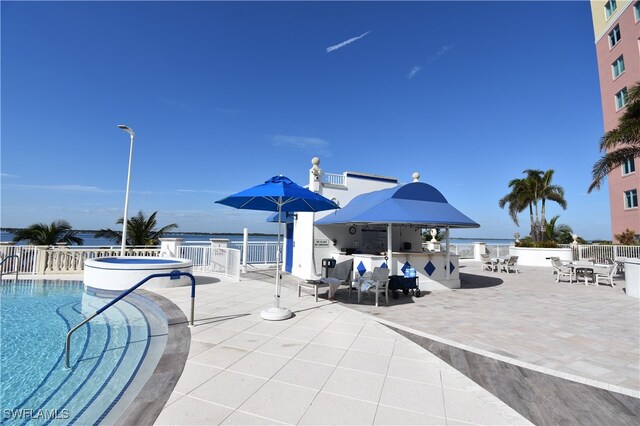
point(126, 197)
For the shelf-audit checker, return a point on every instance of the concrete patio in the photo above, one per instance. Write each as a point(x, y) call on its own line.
point(351, 363)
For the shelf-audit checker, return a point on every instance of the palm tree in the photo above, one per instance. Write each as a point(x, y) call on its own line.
point(40, 234)
point(140, 230)
point(560, 233)
point(620, 143)
point(527, 192)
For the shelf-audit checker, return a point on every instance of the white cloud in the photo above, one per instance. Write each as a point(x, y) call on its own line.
point(439, 53)
point(344, 43)
point(7, 175)
point(415, 70)
point(316, 146)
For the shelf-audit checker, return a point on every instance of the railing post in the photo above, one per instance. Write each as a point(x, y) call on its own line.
point(245, 243)
point(42, 254)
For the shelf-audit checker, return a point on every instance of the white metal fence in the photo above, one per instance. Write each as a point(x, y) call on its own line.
point(259, 252)
point(602, 253)
point(218, 260)
point(25, 263)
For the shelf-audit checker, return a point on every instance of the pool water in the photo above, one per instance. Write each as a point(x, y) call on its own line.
point(110, 356)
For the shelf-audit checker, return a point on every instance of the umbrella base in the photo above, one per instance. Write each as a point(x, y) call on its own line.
point(276, 314)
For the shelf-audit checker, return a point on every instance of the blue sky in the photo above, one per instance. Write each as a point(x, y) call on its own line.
point(224, 95)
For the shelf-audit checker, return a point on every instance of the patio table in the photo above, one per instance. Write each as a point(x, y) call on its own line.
point(587, 269)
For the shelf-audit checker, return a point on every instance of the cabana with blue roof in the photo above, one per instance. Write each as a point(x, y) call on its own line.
point(397, 214)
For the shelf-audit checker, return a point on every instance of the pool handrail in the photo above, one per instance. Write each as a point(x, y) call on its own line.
point(173, 275)
point(17, 265)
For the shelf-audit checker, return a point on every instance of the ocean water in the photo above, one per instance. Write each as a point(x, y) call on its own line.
point(90, 240)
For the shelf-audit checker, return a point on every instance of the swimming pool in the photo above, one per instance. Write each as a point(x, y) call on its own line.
point(111, 357)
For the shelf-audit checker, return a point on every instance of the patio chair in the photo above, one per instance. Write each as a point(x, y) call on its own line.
point(341, 274)
point(553, 270)
point(561, 270)
point(511, 265)
point(488, 264)
point(606, 275)
point(379, 281)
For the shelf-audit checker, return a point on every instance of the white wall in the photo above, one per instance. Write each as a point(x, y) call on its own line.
point(311, 245)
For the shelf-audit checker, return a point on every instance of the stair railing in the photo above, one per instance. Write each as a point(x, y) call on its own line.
point(174, 275)
point(10, 272)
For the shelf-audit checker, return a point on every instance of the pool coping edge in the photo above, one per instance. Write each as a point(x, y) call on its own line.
point(147, 405)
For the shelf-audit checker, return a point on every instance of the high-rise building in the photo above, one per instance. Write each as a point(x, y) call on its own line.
point(616, 25)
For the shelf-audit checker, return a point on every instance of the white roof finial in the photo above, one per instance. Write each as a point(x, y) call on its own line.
point(416, 176)
point(315, 161)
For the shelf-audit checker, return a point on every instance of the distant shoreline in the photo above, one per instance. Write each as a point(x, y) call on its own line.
point(168, 234)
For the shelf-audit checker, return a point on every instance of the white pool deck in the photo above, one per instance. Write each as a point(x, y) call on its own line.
point(327, 365)
point(336, 363)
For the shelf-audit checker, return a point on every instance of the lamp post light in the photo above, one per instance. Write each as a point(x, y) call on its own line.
point(126, 197)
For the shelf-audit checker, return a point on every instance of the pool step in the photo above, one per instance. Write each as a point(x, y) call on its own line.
point(101, 365)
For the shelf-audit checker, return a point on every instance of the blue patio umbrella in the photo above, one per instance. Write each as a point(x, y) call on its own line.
point(278, 194)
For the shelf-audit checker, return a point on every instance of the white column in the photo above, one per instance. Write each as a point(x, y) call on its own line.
point(170, 247)
point(478, 250)
point(390, 264)
point(447, 259)
point(245, 247)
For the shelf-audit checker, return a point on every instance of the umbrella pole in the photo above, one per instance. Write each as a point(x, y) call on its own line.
point(278, 256)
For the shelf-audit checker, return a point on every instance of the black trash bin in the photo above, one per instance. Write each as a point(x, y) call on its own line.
point(328, 264)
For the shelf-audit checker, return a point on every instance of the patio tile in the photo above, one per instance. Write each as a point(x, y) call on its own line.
point(413, 396)
point(192, 411)
point(417, 371)
point(363, 361)
point(355, 384)
point(373, 345)
point(228, 389)
point(214, 335)
point(322, 354)
point(304, 373)
point(246, 340)
point(395, 416)
point(241, 418)
point(259, 364)
point(344, 327)
point(337, 410)
point(198, 347)
point(303, 334)
point(194, 375)
point(220, 356)
point(338, 340)
point(280, 401)
point(281, 346)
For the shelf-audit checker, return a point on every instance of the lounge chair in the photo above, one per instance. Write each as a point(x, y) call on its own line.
point(341, 274)
point(488, 264)
point(606, 275)
point(511, 265)
point(377, 283)
point(561, 270)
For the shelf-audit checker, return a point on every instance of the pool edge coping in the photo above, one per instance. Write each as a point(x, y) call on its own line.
point(149, 402)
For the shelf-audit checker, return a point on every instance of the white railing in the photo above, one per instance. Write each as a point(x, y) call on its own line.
point(70, 260)
point(220, 260)
point(467, 250)
point(27, 262)
point(332, 178)
point(259, 252)
point(601, 253)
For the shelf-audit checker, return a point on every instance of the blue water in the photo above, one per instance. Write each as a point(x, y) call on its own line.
point(90, 240)
point(35, 317)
